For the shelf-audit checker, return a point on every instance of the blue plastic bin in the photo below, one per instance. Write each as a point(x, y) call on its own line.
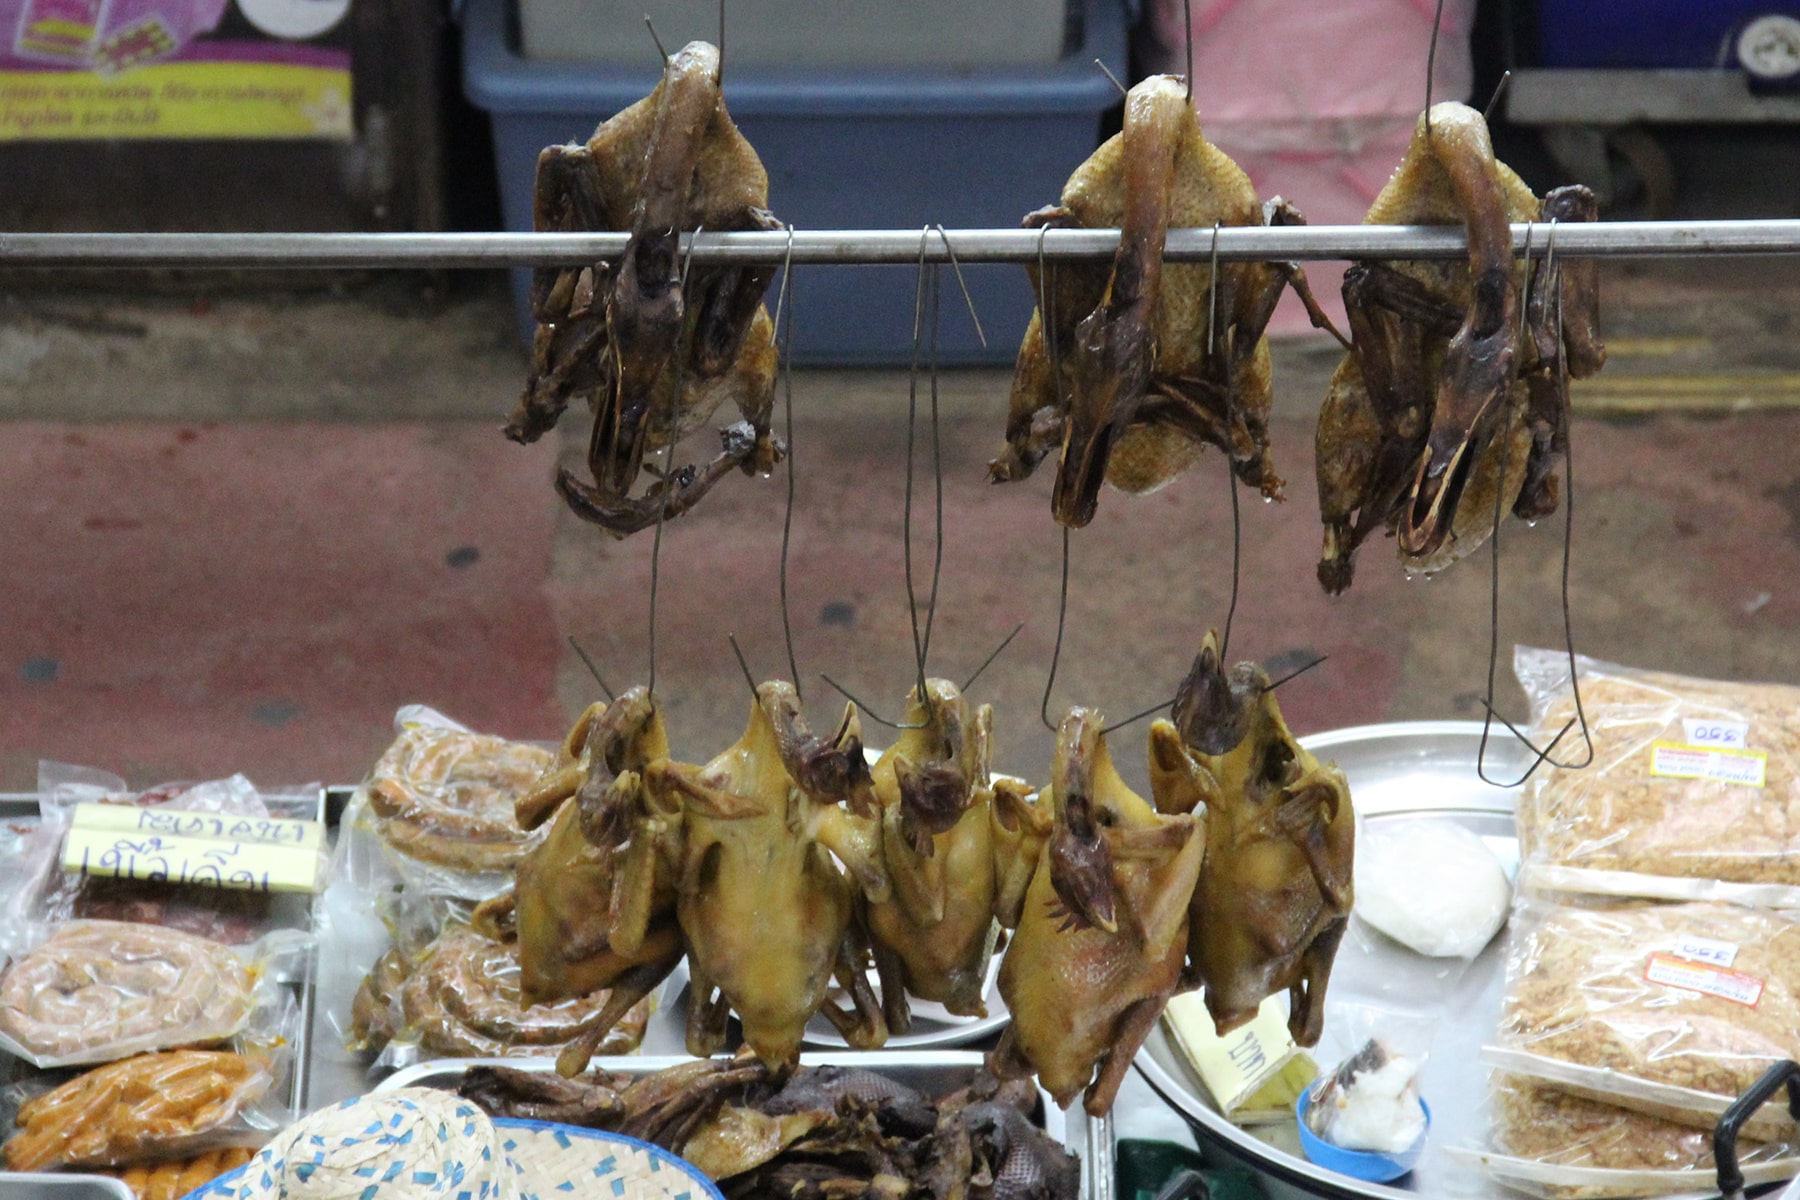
point(1648, 33)
point(865, 149)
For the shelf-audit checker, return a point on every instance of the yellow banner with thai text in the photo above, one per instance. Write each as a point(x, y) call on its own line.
point(178, 100)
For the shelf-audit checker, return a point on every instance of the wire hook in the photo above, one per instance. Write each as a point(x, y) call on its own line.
point(787, 516)
point(1437, 21)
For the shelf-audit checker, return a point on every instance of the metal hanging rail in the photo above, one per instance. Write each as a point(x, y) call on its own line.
point(1602, 239)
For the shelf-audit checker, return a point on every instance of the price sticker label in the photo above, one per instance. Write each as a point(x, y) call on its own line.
point(1727, 735)
point(1747, 767)
point(1673, 972)
point(1707, 950)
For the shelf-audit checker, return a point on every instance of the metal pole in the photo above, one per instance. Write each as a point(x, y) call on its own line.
point(1602, 239)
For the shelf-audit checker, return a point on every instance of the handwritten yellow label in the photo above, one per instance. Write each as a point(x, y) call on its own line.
point(201, 849)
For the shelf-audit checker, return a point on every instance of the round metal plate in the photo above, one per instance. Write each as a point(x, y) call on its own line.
point(1398, 772)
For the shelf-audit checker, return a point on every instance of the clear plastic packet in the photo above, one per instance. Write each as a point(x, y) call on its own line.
point(37, 895)
point(96, 991)
point(180, 1176)
point(1560, 1146)
point(439, 802)
point(1668, 1009)
point(164, 1105)
point(379, 893)
point(1433, 886)
point(459, 998)
point(1693, 794)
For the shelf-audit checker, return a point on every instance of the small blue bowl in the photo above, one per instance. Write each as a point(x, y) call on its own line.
point(1366, 1165)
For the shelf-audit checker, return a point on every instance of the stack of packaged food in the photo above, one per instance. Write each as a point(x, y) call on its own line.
point(154, 943)
point(1653, 971)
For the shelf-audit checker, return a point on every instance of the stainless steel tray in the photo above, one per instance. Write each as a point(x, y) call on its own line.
point(15, 1185)
point(1399, 772)
point(932, 1026)
point(931, 1071)
point(60, 1186)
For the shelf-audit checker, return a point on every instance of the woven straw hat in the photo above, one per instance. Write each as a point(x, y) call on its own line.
point(425, 1144)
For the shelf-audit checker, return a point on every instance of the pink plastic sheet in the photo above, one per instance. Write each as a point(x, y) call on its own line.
point(1315, 101)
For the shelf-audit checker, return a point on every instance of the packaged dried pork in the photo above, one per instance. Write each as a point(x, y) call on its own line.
point(1549, 1143)
point(1669, 1009)
point(1693, 792)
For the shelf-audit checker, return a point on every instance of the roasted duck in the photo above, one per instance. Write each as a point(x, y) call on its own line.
point(1450, 404)
point(934, 936)
point(1274, 893)
point(653, 345)
point(763, 908)
point(1128, 371)
point(819, 1133)
point(1104, 931)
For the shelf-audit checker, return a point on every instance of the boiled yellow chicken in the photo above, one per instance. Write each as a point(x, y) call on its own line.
point(1128, 371)
point(1104, 929)
point(763, 908)
point(1275, 892)
point(934, 936)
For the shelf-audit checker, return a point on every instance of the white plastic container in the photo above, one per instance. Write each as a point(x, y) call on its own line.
point(802, 33)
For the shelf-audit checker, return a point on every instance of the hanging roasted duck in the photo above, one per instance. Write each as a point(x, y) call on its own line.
point(951, 843)
point(1275, 891)
point(1104, 930)
point(653, 344)
point(1128, 370)
point(1451, 402)
point(764, 909)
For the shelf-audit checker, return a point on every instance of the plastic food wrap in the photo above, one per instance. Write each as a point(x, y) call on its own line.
point(461, 1000)
point(1566, 1147)
point(1694, 791)
point(36, 895)
point(154, 1106)
point(1667, 1009)
point(1432, 886)
point(173, 1180)
point(443, 796)
point(380, 894)
point(95, 991)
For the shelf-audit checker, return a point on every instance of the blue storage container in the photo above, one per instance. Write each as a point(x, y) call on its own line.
point(1649, 33)
point(866, 149)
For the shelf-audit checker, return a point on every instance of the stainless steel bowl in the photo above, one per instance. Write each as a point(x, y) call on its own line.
point(1397, 772)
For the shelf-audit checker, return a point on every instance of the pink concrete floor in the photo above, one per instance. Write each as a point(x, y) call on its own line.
point(203, 576)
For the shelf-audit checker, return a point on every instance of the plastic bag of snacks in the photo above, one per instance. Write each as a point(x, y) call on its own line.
point(459, 998)
point(1564, 1147)
point(153, 1107)
point(1668, 1009)
point(95, 991)
point(1694, 791)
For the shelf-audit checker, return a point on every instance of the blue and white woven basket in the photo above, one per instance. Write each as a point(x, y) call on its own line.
point(424, 1144)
